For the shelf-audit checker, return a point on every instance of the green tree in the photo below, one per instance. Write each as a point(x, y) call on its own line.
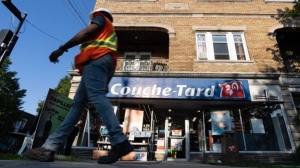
point(64, 85)
point(40, 105)
point(63, 88)
point(294, 12)
point(10, 96)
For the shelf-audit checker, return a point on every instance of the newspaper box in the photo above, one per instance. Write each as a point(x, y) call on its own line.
point(229, 147)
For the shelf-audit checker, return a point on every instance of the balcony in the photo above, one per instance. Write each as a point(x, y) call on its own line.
point(142, 49)
point(144, 65)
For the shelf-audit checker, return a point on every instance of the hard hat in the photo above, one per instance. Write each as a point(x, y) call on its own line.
point(109, 15)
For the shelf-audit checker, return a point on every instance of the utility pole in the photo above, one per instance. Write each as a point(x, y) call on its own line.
point(9, 39)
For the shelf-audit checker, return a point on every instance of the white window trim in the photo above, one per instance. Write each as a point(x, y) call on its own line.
point(231, 48)
point(230, 43)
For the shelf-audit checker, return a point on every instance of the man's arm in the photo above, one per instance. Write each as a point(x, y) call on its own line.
point(97, 24)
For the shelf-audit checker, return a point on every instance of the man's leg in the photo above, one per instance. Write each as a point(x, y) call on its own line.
point(70, 141)
point(47, 151)
point(98, 73)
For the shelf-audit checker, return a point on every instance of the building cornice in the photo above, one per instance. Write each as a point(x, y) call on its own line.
point(200, 15)
point(192, 75)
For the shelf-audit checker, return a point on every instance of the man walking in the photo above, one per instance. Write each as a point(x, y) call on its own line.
point(96, 63)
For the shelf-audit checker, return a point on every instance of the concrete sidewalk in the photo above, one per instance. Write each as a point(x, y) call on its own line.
point(93, 163)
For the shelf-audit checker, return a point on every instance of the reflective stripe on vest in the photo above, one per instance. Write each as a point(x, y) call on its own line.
point(110, 42)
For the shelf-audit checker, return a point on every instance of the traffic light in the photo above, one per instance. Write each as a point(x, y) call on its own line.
point(6, 37)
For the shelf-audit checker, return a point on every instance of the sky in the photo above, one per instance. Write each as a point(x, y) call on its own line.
point(48, 25)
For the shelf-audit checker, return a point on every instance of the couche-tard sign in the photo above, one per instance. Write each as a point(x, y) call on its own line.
point(178, 88)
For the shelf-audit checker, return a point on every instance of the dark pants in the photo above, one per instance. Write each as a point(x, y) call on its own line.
point(70, 141)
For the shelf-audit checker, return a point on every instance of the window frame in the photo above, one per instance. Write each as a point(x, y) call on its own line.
point(233, 56)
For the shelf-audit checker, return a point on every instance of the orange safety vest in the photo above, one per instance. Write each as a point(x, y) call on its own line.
point(104, 42)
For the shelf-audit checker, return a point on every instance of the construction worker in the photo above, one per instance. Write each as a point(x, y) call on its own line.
point(96, 63)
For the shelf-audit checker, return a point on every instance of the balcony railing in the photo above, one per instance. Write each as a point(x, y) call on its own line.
point(143, 65)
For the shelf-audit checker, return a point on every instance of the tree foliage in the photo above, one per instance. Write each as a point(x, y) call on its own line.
point(64, 85)
point(63, 88)
point(10, 96)
point(294, 12)
point(40, 105)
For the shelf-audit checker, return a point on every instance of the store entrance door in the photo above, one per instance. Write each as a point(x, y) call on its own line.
point(176, 137)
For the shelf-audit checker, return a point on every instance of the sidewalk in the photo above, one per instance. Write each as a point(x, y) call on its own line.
point(94, 164)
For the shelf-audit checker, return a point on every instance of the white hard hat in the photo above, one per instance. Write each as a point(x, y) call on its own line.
point(101, 10)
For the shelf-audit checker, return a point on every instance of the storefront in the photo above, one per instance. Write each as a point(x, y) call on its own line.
point(184, 118)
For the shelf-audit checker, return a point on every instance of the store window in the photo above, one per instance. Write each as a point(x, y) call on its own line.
point(221, 46)
point(196, 134)
point(176, 137)
point(252, 126)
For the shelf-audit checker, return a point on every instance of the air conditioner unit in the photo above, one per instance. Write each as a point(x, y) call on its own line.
point(202, 56)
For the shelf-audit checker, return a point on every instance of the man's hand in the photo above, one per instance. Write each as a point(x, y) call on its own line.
point(54, 55)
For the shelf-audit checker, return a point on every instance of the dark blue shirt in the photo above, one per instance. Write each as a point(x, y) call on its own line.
point(100, 21)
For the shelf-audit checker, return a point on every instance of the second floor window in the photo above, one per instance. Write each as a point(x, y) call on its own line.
point(20, 124)
point(221, 46)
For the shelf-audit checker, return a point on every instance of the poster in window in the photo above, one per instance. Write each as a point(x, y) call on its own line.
point(160, 145)
point(220, 122)
point(176, 132)
point(133, 121)
point(176, 144)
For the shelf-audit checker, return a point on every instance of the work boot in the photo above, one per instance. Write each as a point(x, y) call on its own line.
point(41, 154)
point(116, 153)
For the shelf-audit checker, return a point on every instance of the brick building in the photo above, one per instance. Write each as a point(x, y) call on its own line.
point(202, 68)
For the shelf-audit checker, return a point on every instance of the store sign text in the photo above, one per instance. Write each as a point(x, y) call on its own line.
point(178, 88)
